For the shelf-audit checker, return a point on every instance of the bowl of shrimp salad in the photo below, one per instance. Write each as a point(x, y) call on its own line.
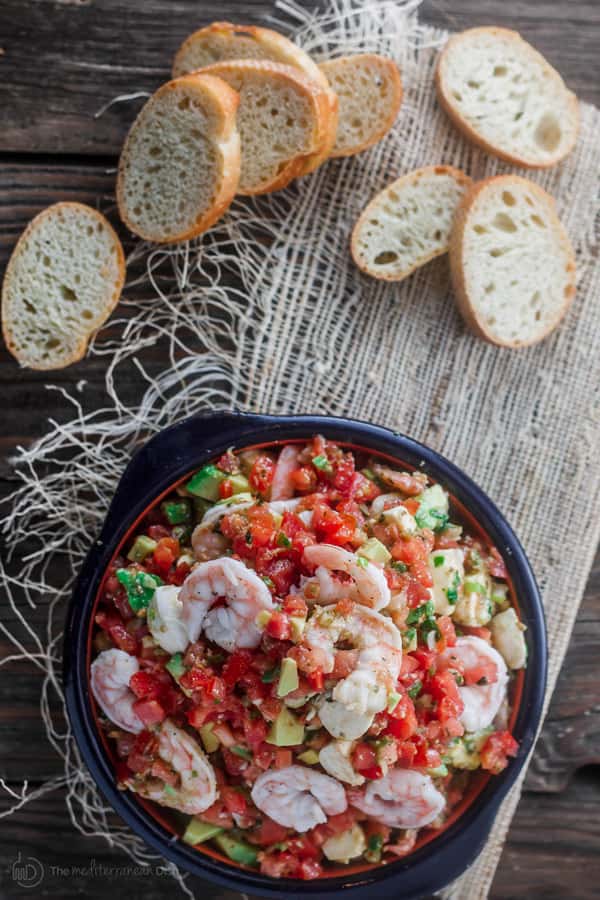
point(305, 653)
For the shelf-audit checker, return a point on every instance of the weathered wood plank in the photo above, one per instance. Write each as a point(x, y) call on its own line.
point(63, 61)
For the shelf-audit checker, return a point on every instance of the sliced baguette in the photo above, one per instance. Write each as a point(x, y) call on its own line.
point(62, 282)
point(223, 41)
point(408, 223)
point(369, 90)
point(512, 264)
point(180, 165)
point(282, 119)
point(506, 98)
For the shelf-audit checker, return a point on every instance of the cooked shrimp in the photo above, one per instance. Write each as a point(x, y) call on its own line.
point(335, 759)
point(343, 723)
point(367, 586)
point(233, 625)
point(282, 486)
point(197, 788)
point(508, 639)
point(111, 672)
point(298, 797)
point(401, 481)
point(365, 690)
point(207, 544)
point(164, 618)
point(482, 701)
point(403, 798)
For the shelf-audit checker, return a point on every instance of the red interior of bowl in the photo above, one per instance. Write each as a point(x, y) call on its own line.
point(477, 781)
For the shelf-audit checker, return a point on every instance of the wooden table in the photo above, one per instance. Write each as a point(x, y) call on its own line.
point(59, 63)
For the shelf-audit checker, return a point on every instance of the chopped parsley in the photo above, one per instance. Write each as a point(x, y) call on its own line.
point(438, 561)
point(283, 540)
point(452, 591)
point(426, 611)
point(399, 566)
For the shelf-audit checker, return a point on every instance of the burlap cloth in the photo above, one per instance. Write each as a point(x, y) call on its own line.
point(301, 330)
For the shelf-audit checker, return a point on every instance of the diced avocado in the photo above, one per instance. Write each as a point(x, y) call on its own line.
point(439, 772)
point(200, 507)
point(288, 678)
point(197, 832)
point(237, 850)
point(177, 511)
point(210, 741)
point(297, 624)
point(433, 508)
point(239, 484)
point(142, 547)
point(263, 618)
point(463, 753)
point(375, 551)
point(309, 757)
point(286, 730)
point(393, 701)
point(175, 666)
point(205, 483)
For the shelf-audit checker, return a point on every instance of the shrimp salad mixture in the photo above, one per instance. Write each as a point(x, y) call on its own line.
point(307, 657)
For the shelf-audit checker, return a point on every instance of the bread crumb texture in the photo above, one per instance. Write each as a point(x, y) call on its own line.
point(409, 222)
point(369, 90)
point(170, 171)
point(517, 262)
point(63, 280)
point(276, 119)
point(509, 96)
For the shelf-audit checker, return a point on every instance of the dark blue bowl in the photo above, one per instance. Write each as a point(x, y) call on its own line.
point(170, 456)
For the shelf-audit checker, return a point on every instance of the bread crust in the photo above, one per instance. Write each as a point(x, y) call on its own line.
point(392, 72)
point(284, 52)
point(319, 101)
point(469, 132)
point(109, 303)
point(457, 268)
point(457, 174)
point(224, 103)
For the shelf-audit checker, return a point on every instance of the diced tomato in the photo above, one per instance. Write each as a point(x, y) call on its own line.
point(332, 527)
point(304, 479)
point(409, 665)
point(144, 685)
point(425, 658)
point(406, 752)
point(255, 731)
point(218, 814)
point(165, 553)
point(143, 753)
point(372, 773)
point(376, 829)
point(236, 665)
point(150, 712)
point(416, 594)
point(364, 757)
point(261, 474)
point(363, 490)
point(343, 476)
point(225, 489)
point(269, 832)
point(283, 759)
point(234, 800)
point(198, 715)
point(315, 679)
point(496, 750)
point(344, 663)
point(295, 605)
point(113, 625)
point(279, 626)
point(303, 848)
point(229, 463)
point(402, 721)
point(446, 628)
point(411, 505)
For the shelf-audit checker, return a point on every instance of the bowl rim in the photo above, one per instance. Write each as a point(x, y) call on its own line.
point(173, 453)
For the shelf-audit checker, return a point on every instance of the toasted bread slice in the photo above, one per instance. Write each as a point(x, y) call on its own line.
point(505, 97)
point(180, 166)
point(62, 282)
point(512, 264)
point(223, 41)
point(369, 90)
point(282, 119)
point(408, 223)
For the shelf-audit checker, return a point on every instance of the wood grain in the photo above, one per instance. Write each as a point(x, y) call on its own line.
point(62, 61)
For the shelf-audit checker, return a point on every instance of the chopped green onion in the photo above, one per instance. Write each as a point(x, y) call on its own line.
point(283, 540)
point(241, 751)
point(268, 581)
point(438, 561)
point(414, 691)
point(473, 587)
point(362, 562)
point(322, 463)
point(270, 675)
